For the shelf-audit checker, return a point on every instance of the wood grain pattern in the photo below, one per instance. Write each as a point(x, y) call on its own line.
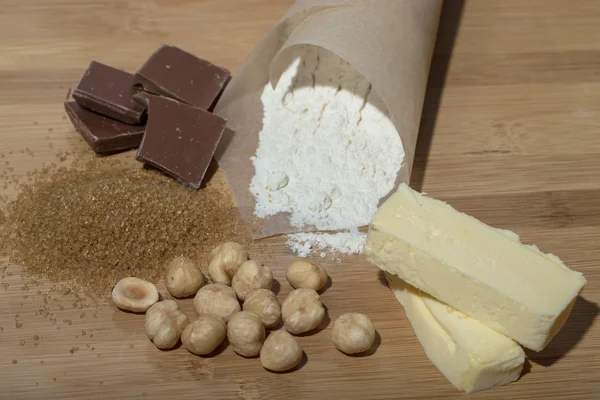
point(509, 134)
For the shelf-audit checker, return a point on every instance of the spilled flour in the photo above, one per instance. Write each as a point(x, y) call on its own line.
point(327, 151)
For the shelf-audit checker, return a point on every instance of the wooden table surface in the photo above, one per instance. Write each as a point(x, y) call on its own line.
point(510, 134)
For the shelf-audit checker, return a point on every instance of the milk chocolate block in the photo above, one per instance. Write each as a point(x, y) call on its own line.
point(109, 91)
point(180, 140)
point(174, 73)
point(103, 134)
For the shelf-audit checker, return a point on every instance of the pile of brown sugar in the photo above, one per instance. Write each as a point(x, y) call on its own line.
point(97, 224)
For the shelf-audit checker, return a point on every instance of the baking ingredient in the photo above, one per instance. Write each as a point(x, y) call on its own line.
point(204, 335)
point(471, 355)
point(164, 323)
point(218, 300)
point(327, 150)
point(353, 333)
point(302, 311)
point(307, 243)
point(174, 73)
point(224, 261)
point(265, 304)
point(183, 277)
point(134, 294)
point(246, 333)
point(109, 92)
point(306, 273)
point(481, 271)
point(180, 140)
point(104, 135)
point(251, 276)
point(100, 220)
point(280, 352)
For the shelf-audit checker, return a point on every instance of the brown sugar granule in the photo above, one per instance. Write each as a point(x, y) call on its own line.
point(95, 224)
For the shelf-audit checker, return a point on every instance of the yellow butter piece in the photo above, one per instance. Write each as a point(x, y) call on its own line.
point(470, 355)
point(483, 272)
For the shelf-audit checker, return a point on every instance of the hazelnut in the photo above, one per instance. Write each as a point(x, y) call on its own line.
point(218, 300)
point(265, 304)
point(280, 352)
point(249, 277)
point(302, 311)
point(134, 294)
point(353, 333)
point(183, 277)
point(204, 335)
point(246, 333)
point(164, 324)
point(224, 261)
point(306, 273)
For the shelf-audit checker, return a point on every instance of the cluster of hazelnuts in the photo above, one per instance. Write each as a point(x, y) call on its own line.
point(238, 281)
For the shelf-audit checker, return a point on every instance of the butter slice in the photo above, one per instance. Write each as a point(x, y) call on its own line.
point(470, 355)
point(483, 272)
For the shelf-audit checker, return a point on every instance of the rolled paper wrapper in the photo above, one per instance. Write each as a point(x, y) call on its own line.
point(390, 42)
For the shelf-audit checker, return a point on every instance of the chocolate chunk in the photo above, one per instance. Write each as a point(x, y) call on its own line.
point(180, 140)
point(174, 73)
point(109, 91)
point(101, 133)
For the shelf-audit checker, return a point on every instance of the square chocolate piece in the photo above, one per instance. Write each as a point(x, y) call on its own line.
point(180, 140)
point(103, 134)
point(109, 91)
point(174, 73)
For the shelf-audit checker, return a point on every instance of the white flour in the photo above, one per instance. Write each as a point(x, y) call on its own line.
point(327, 151)
point(343, 242)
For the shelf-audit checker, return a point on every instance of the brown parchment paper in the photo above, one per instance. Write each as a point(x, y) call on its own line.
point(389, 41)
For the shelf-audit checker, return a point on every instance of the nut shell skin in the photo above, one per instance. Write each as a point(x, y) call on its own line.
point(204, 335)
point(353, 333)
point(246, 333)
point(134, 294)
point(217, 299)
point(250, 277)
point(302, 311)
point(164, 324)
point(280, 352)
point(224, 261)
point(183, 277)
point(306, 273)
point(265, 304)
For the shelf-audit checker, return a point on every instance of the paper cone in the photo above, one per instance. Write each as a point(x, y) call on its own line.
point(390, 42)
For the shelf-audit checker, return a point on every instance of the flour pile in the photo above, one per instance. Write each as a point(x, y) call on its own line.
point(327, 151)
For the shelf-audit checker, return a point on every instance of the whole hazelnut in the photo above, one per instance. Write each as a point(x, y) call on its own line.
point(306, 273)
point(224, 261)
point(204, 335)
point(265, 304)
point(353, 333)
point(302, 311)
point(249, 277)
point(134, 294)
point(246, 333)
point(164, 324)
point(280, 352)
point(183, 277)
point(218, 300)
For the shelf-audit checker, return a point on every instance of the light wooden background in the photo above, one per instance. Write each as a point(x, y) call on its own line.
point(510, 134)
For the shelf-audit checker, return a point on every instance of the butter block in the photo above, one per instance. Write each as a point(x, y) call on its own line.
point(483, 272)
point(471, 356)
